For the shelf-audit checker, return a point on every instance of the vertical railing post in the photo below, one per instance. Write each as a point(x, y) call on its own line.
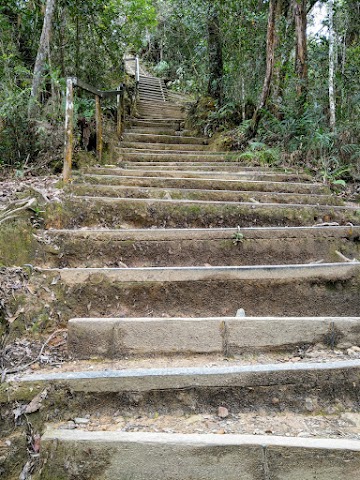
point(99, 133)
point(137, 70)
point(69, 129)
point(119, 119)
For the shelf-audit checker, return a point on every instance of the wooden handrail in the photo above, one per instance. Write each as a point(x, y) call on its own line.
point(72, 82)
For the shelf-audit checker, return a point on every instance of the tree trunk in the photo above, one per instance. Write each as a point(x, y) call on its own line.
point(301, 69)
point(282, 50)
point(41, 53)
point(270, 57)
point(216, 68)
point(332, 66)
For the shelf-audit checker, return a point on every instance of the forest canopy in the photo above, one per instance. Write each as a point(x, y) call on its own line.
point(254, 69)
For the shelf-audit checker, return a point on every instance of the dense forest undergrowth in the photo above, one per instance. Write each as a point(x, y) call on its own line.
point(276, 80)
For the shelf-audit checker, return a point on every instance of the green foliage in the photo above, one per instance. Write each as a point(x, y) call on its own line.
point(259, 152)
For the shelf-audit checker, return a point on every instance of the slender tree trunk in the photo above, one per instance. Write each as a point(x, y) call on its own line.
point(332, 103)
point(270, 58)
point(301, 68)
point(216, 67)
point(282, 53)
point(41, 53)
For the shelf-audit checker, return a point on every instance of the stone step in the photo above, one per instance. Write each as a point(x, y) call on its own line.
point(176, 123)
point(88, 189)
point(198, 247)
point(242, 175)
point(161, 147)
point(158, 105)
point(327, 377)
point(205, 166)
point(139, 155)
point(285, 290)
point(152, 97)
point(212, 166)
point(165, 110)
point(206, 184)
point(163, 131)
point(148, 213)
point(167, 139)
point(145, 337)
point(152, 89)
point(150, 115)
point(150, 456)
point(154, 131)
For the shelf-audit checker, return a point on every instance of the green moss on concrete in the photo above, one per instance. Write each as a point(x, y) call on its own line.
point(17, 244)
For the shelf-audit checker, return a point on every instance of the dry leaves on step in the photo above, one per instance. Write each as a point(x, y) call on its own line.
point(31, 407)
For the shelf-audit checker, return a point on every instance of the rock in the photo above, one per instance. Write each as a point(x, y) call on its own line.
point(309, 405)
point(68, 426)
point(275, 401)
point(240, 313)
point(81, 421)
point(353, 351)
point(223, 412)
point(352, 418)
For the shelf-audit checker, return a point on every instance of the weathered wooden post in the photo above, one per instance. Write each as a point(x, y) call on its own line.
point(69, 129)
point(99, 138)
point(119, 112)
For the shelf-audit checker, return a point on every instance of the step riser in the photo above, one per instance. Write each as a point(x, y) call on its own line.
point(139, 293)
point(191, 183)
point(249, 176)
point(168, 139)
point(148, 250)
point(172, 156)
point(211, 195)
point(199, 457)
point(113, 213)
point(118, 338)
point(337, 377)
point(162, 146)
point(138, 122)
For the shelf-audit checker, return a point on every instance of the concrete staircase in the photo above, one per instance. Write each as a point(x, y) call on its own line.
point(213, 324)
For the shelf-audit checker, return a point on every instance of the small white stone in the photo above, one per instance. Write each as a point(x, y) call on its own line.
point(81, 421)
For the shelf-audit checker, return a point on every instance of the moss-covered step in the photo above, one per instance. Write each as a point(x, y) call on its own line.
point(287, 290)
point(168, 139)
point(176, 123)
point(198, 247)
point(142, 213)
point(158, 147)
point(139, 155)
point(89, 189)
point(211, 166)
point(238, 175)
point(204, 183)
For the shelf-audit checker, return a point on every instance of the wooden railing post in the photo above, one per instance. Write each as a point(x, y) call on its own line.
point(69, 129)
point(99, 133)
point(137, 69)
point(119, 119)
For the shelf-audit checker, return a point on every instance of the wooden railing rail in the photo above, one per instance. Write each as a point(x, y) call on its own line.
point(119, 93)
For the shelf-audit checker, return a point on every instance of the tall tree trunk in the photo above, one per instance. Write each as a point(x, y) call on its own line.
point(41, 53)
point(216, 67)
point(282, 51)
point(301, 68)
point(332, 66)
point(270, 58)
